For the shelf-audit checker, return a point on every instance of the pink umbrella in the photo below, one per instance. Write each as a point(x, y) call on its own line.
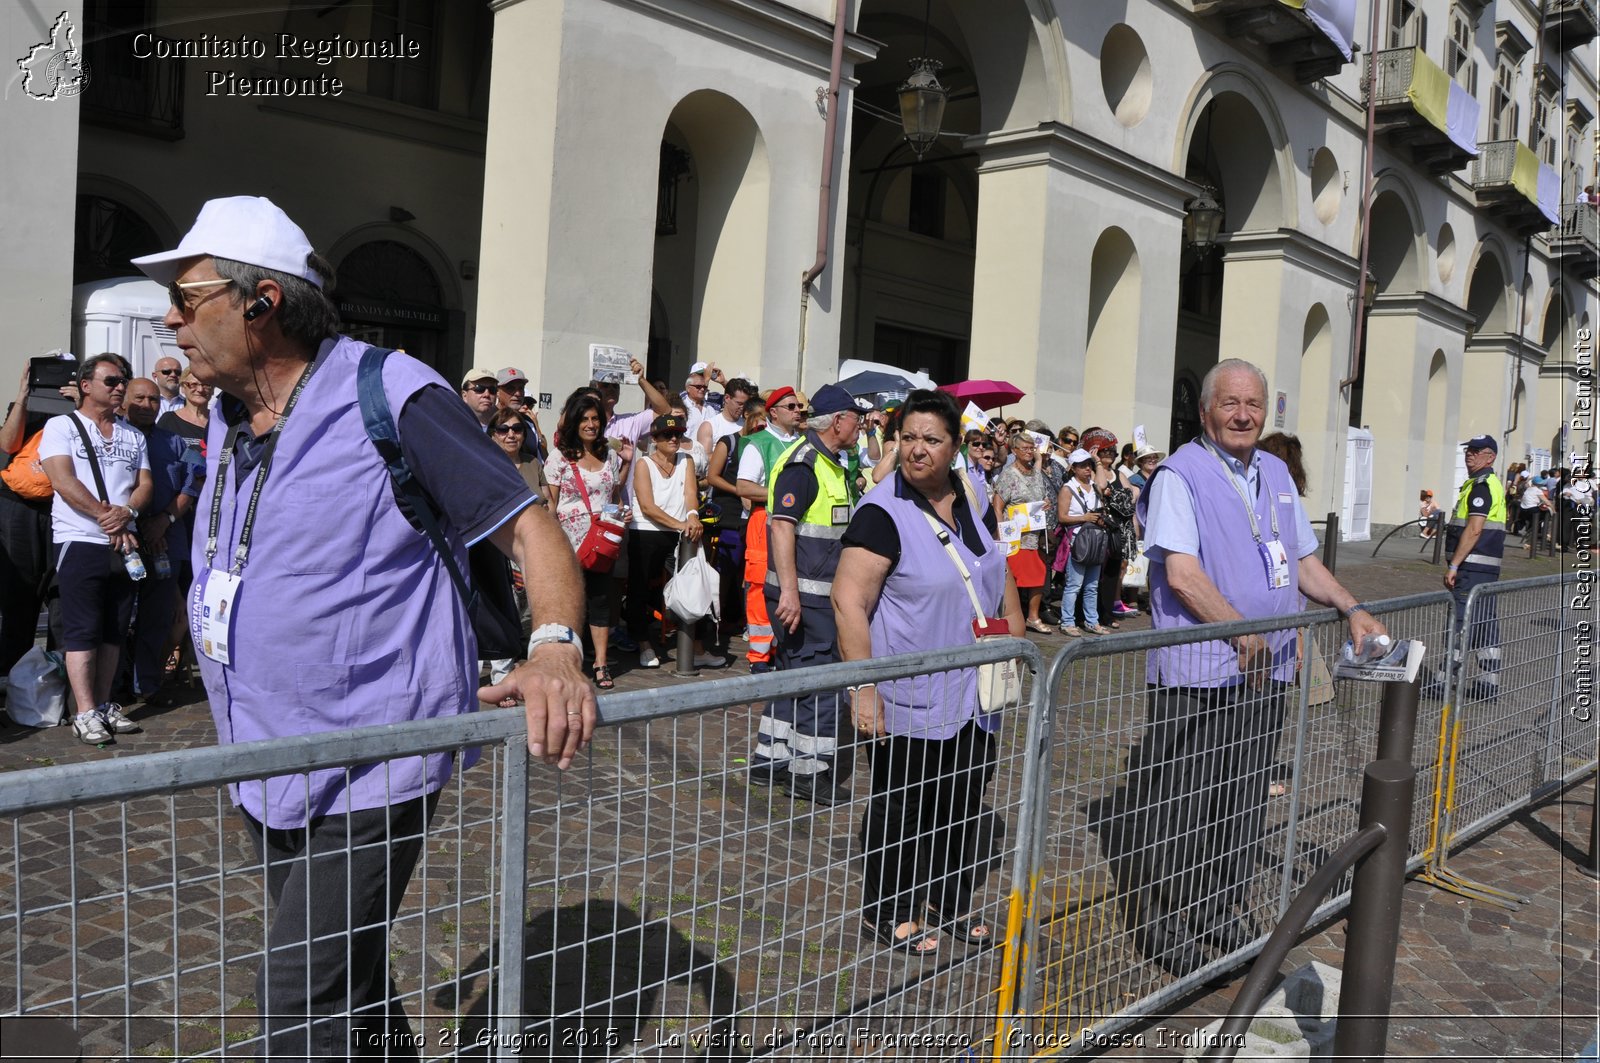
point(985, 394)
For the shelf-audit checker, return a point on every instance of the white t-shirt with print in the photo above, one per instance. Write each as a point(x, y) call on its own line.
point(121, 457)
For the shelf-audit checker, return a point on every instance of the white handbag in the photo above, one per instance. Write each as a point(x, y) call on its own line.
point(999, 683)
point(1138, 575)
point(695, 590)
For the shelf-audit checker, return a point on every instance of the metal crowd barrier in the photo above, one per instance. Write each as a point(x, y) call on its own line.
point(649, 903)
point(1518, 720)
point(652, 903)
point(1134, 844)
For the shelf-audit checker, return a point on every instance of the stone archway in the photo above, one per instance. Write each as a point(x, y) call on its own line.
point(1488, 295)
point(710, 267)
point(389, 295)
point(1232, 146)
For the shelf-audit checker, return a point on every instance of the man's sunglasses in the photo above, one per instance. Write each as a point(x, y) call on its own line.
point(113, 381)
point(170, 372)
point(502, 429)
point(788, 406)
point(176, 291)
point(479, 389)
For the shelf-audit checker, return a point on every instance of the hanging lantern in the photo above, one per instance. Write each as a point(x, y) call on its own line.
point(922, 101)
point(1202, 221)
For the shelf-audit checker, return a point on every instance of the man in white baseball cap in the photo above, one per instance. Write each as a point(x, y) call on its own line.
point(314, 590)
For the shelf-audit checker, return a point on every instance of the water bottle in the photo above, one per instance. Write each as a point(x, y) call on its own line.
point(134, 564)
point(162, 565)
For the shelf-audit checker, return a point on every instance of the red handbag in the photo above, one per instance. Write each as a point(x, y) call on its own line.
point(602, 543)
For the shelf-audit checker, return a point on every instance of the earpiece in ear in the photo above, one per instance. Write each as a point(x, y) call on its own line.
point(257, 308)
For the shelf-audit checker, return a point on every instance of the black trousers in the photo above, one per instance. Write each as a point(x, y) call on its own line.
point(813, 733)
point(1182, 833)
point(324, 987)
point(927, 838)
point(27, 570)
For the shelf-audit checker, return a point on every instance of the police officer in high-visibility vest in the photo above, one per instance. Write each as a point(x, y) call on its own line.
point(758, 455)
point(809, 505)
point(1475, 538)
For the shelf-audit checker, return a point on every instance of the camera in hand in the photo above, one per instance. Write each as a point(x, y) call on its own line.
point(46, 377)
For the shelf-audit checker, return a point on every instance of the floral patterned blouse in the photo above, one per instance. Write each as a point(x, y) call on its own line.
point(602, 484)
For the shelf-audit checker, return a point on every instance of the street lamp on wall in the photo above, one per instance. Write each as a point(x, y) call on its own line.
point(1202, 220)
point(922, 101)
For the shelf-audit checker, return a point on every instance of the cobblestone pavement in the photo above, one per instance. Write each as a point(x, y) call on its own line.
point(622, 888)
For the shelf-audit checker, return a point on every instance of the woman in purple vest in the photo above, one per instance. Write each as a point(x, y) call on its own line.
point(931, 747)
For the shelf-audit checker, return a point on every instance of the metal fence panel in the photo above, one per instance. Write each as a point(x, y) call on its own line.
point(662, 904)
point(1159, 820)
point(1523, 693)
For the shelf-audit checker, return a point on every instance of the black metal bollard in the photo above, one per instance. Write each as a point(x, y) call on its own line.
point(1372, 934)
point(1330, 543)
point(685, 663)
point(1397, 721)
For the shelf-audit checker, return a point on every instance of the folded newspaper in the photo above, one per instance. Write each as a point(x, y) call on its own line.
point(1381, 660)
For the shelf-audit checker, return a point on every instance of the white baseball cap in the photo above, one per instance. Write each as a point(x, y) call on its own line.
point(698, 367)
point(249, 229)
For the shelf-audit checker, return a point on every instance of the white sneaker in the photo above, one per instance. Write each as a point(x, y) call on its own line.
point(710, 660)
point(648, 658)
point(91, 729)
point(117, 720)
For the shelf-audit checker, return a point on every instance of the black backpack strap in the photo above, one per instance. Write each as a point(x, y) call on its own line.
point(380, 426)
point(94, 461)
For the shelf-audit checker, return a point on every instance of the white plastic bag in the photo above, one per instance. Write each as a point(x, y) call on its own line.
point(1138, 574)
point(37, 689)
point(695, 590)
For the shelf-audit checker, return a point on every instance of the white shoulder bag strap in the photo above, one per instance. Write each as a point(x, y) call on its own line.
point(1000, 683)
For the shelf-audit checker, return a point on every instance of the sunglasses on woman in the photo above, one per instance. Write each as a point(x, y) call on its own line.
point(502, 429)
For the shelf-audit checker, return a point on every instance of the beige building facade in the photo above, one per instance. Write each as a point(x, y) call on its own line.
point(549, 174)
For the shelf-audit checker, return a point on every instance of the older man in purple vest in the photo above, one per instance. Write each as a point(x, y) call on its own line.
point(318, 606)
point(1228, 540)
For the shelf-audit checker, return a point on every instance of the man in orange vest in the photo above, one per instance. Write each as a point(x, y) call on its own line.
point(757, 455)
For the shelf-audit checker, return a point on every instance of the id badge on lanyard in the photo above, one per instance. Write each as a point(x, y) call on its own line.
point(1276, 560)
point(213, 605)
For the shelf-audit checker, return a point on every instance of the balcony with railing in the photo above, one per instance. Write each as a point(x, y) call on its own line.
point(1570, 24)
point(1576, 241)
point(1514, 186)
point(1308, 36)
point(126, 92)
point(1417, 104)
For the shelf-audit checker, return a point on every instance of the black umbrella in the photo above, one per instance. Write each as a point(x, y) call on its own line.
point(871, 382)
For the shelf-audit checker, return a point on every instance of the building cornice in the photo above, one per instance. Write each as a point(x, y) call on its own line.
point(1424, 306)
point(1071, 150)
point(1506, 343)
point(755, 25)
point(1291, 245)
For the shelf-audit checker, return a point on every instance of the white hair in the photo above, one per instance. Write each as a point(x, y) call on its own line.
point(1228, 365)
point(821, 422)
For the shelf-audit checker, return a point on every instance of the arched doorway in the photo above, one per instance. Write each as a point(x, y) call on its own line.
point(1185, 424)
point(708, 272)
point(911, 224)
point(1231, 153)
point(107, 234)
point(1394, 262)
point(388, 295)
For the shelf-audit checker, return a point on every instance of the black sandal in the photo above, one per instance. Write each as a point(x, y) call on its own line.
point(969, 928)
point(602, 677)
point(883, 932)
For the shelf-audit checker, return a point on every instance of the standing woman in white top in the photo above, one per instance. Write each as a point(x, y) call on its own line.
point(1079, 504)
point(665, 505)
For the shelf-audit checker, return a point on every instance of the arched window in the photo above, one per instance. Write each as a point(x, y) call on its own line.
point(106, 235)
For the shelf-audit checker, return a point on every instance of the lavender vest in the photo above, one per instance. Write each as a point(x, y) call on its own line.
point(924, 608)
point(1230, 557)
point(346, 616)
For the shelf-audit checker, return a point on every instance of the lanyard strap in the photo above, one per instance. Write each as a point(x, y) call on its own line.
point(950, 548)
point(1244, 496)
point(241, 552)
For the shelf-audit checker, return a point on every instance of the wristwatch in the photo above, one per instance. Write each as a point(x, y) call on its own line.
point(554, 633)
point(133, 514)
point(1354, 609)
